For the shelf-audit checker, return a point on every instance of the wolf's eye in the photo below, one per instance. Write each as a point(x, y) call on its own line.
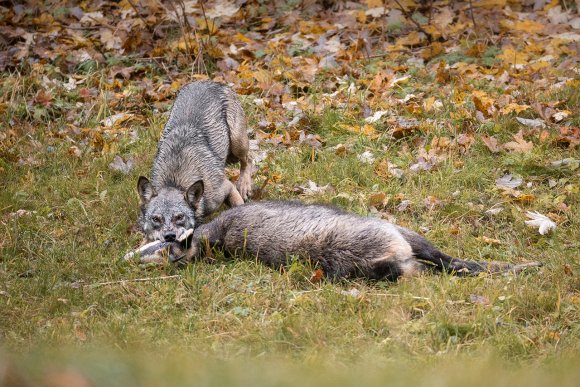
point(179, 218)
point(156, 219)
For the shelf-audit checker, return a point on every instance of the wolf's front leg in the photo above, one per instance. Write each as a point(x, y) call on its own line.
point(244, 183)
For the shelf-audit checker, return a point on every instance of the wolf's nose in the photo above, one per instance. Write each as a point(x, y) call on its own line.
point(169, 237)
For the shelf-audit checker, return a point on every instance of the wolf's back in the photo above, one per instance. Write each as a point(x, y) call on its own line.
point(195, 140)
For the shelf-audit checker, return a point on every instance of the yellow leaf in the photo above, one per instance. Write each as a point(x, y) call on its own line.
point(243, 38)
point(525, 198)
point(483, 102)
point(208, 24)
point(489, 3)
point(366, 129)
point(489, 241)
point(413, 39)
point(432, 50)
point(432, 104)
point(511, 56)
point(522, 25)
point(513, 107)
point(539, 65)
point(377, 199)
point(374, 3)
point(262, 76)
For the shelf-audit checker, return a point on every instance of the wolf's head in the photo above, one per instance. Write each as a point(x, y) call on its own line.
point(167, 214)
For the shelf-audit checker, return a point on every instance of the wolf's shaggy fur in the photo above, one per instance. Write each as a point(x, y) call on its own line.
point(206, 129)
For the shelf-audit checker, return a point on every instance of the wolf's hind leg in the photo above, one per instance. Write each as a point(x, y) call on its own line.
point(239, 144)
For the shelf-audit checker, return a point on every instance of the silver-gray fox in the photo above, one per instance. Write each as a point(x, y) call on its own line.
point(206, 129)
point(342, 244)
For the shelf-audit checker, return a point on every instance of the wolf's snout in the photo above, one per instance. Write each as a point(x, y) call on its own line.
point(169, 236)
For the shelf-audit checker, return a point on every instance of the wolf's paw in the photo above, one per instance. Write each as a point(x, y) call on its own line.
point(244, 186)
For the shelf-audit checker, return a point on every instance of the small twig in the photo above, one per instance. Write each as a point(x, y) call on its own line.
point(260, 192)
point(471, 13)
point(183, 29)
point(398, 295)
point(85, 28)
point(162, 278)
point(410, 17)
point(380, 55)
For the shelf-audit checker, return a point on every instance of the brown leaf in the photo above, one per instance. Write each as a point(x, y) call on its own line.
point(317, 276)
point(75, 151)
point(569, 137)
point(377, 199)
point(431, 202)
point(477, 299)
point(491, 143)
point(44, 98)
point(80, 334)
point(519, 145)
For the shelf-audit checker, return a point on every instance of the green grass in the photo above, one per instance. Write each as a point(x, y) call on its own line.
point(67, 303)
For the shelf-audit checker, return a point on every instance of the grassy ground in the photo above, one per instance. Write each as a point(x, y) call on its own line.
point(62, 286)
point(69, 310)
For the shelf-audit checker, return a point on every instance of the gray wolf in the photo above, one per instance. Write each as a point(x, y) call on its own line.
point(206, 129)
point(339, 243)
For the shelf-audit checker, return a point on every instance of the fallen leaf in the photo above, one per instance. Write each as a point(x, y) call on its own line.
point(222, 8)
point(312, 188)
point(536, 123)
point(121, 166)
point(569, 163)
point(483, 102)
point(317, 276)
point(75, 151)
point(385, 170)
point(355, 293)
point(527, 198)
point(403, 205)
point(508, 181)
point(340, 150)
point(489, 241)
point(366, 157)
point(116, 119)
point(377, 199)
point(544, 224)
point(559, 116)
point(494, 210)
point(519, 145)
point(376, 116)
point(477, 299)
point(431, 202)
point(513, 107)
point(491, 143)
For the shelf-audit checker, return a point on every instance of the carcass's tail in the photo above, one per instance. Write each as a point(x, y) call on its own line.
point(425, 252)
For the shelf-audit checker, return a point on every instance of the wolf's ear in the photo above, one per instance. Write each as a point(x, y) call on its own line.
point(145, 190)
point(194, 193)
